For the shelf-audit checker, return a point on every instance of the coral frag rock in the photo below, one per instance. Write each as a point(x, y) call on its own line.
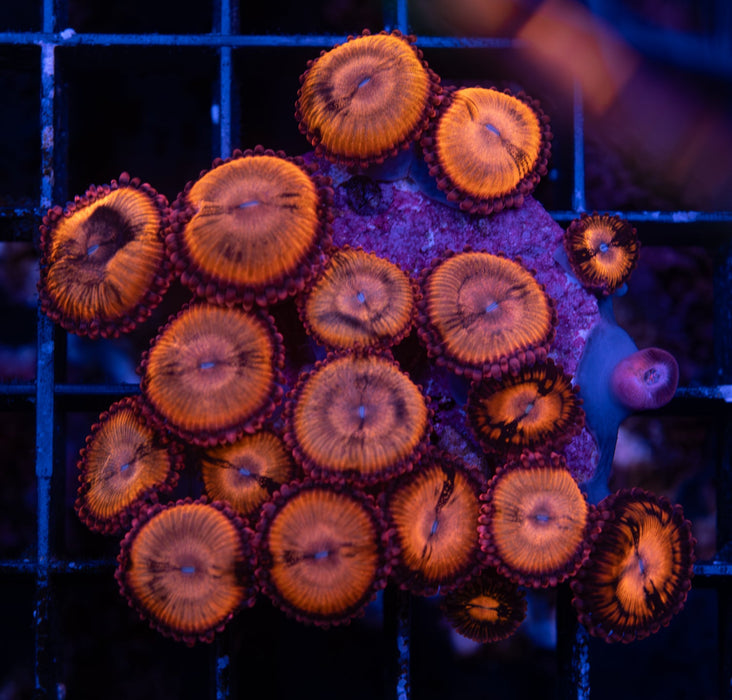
point(437, 188)
point(423, 230)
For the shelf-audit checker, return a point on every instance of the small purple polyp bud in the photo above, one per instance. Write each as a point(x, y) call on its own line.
point(645, 380)
point(615, 379)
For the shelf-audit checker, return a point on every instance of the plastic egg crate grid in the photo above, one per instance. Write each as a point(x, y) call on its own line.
point(57, 585)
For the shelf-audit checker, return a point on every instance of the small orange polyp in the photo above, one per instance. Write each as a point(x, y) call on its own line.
point(247, 472)
point(602, 250)
point(488, 608)
point(124, 465)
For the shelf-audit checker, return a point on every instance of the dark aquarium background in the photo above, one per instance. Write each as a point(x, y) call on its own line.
point(642, 127)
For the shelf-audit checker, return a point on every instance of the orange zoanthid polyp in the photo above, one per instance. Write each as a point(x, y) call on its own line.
point(256, 218)
point(641, 567)
point(434, 512)
point(367, 98)
point(488, 141)
point(212, 373)
point(357, 416)
point(537, 526)
point(322, 555)
point(103, 262)
point(487, 149)
point(359, 300)
point(602, 250)
point(483, 314)
point(245, 473)
point(124, 463)
point(187, 568)
point(487, 608)
point(536, 408)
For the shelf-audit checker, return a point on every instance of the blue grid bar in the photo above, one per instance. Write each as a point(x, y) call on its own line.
point(44, 472)
point(44, 379)
point(706, 570)
point(55, 566)
point(402, 22)
point(236, 41)
point(679, 218)
point(578, 127)
point(28, 389)
point(49, 16)
point(225, 82)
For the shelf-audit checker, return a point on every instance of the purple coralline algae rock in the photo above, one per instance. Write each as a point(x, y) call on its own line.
point(397, 221)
